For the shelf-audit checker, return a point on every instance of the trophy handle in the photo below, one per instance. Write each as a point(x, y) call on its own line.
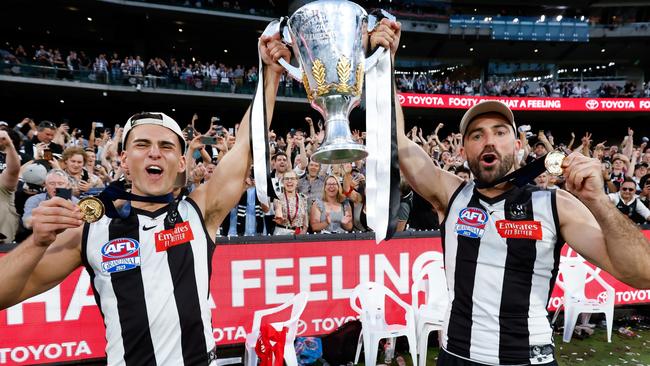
point(283, 28)
point(373, 19)
point(295, 72)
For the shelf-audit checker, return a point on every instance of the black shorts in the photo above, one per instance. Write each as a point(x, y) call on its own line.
point(447, 359)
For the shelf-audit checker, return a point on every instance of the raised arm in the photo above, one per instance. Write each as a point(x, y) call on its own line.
point(593, 226)
point(227, 184)
point(9, 177)
point(429, 181)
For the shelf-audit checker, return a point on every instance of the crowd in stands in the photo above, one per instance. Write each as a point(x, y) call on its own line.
point(132, 70)
point(428, 84)
point(219, 77)
point(38, 158)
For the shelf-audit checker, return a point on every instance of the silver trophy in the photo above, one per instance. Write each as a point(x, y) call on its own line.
point(327, 37)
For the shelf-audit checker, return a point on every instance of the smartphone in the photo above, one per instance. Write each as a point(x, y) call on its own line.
point(207, 140)
point(292, 132)
point(65, 193)
point(190, 133)
point(99, 124)
point(231, 131)
point(47, 154)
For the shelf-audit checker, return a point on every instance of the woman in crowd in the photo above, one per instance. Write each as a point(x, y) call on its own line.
point(332, 214)
point(74, 159)
point(290, 208)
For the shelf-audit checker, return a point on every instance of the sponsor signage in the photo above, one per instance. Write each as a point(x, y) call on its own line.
point(447, 101)
point(64, 324)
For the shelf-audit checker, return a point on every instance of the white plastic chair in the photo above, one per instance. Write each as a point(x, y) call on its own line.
point(372, 313)
point(574, 274)
point(430, 315)
point(298, 304)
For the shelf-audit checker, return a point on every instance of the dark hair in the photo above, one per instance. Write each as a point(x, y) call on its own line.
point(462, 169)
point(279, 153)
point(15, 138)
point(46, 124)
point(644, 180)
point(628, 180)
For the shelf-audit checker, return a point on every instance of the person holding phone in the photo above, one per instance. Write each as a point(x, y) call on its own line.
point(155, 304)
point(56, 179)
point(74, 159)
point(45, 133)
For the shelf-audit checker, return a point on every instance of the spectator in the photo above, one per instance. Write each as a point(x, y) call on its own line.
point(249, 216)
point(617, 175)
point(640, 170)
point(100, 67)
point(463, 173)
point(644, 196)
point(311, 184)
point(32, 181)
point(8, 181)
point(74, 159)
point(290, 208)
point(55, 178)
point(42, 140)
point(628, 203)
point(331, 214)
point(96, 173)
point(405, 204)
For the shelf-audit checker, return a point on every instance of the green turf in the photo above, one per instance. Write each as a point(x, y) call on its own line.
point(592, 351)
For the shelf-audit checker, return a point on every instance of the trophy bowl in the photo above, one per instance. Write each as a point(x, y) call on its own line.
point(327, 38)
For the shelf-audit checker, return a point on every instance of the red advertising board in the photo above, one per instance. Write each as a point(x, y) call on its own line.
point(446, 101)
point(64, 323)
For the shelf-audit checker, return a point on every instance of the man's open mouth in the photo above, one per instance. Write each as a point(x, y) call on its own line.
point(154, 170)
point(489, 158)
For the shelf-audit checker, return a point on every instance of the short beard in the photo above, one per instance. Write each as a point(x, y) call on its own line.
point(492, 174)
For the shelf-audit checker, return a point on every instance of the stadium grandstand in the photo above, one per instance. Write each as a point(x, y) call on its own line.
point(575, 74)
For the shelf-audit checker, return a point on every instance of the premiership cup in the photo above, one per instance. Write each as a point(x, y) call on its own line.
point(327, 38)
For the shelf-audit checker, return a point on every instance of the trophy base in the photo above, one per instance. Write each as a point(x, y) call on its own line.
point(340, 153)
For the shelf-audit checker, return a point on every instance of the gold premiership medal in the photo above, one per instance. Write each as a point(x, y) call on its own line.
point(553, 162)
point(92, 209)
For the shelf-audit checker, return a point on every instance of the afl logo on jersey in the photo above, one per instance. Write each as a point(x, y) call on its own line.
point(471, 222)
point(120, 255)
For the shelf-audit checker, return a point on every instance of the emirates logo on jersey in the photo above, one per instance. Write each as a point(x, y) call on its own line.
point(519, 229)
point(180, 234)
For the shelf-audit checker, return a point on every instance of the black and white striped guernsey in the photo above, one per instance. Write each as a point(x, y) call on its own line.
point(151, 284)
point(501, 260)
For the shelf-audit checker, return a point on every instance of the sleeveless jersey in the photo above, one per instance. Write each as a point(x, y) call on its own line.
point(501, 260)
point(152, 286)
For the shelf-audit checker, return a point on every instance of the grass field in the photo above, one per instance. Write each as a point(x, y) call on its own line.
point(592, 351)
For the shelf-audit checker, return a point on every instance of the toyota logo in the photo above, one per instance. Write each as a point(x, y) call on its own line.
point(302, 327)
point(401, 99)
point(602, 297)
point(591, 104)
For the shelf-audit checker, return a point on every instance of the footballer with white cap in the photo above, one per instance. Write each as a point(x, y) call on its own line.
point(150, 268)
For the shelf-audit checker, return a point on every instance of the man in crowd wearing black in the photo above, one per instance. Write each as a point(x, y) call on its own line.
point(628, 203)
point(44, 135)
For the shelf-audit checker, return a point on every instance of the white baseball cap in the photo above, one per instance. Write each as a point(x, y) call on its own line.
point(487, 106)
point(160, 119)
point(153, 118)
